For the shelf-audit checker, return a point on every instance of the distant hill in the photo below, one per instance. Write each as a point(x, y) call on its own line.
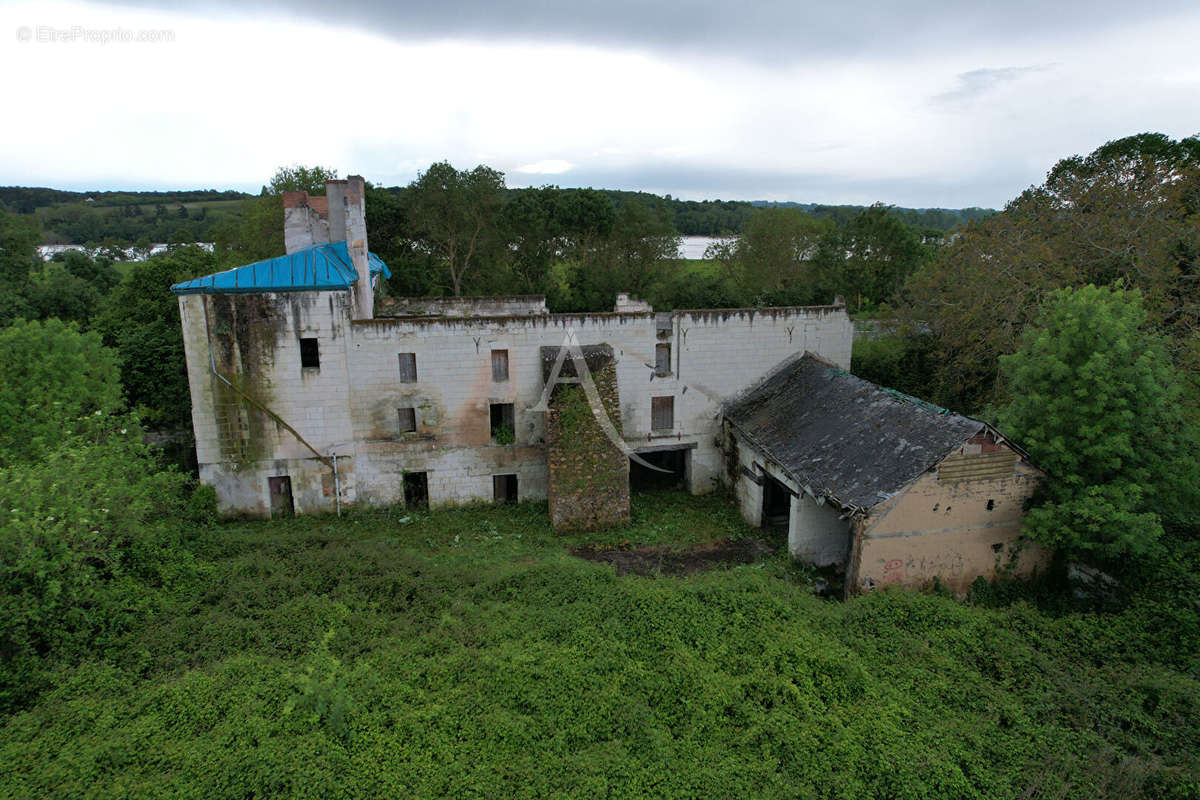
point(941, 219)
point(125, 218)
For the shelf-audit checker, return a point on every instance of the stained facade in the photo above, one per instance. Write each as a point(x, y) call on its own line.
point(308, 396)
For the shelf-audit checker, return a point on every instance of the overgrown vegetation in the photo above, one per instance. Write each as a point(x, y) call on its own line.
point(147, 652)
point(465, 652)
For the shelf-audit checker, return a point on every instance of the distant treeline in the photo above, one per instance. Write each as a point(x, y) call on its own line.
point(128, 218)
point(26, 199)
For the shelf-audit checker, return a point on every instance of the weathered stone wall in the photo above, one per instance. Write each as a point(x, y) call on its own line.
point(254, 341)
point(588, 486)
point(956, 523)
point(490, 306)
point(349, 406)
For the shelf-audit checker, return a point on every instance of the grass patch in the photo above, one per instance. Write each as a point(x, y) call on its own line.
point(465, 653)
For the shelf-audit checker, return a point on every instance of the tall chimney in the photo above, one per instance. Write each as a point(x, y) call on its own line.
point(356, 244)
point(335, 193)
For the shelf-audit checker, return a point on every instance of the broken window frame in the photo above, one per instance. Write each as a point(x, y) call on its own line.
point(407, 363)
point(407, 419)
point(505, 488)
point(502, 419)
point(310, 353)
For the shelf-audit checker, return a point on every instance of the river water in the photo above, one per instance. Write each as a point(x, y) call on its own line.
point(694, 246)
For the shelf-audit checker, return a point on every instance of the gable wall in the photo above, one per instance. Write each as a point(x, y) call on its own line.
point(942, 527)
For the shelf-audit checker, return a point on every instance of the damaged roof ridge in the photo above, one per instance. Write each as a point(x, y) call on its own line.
point(854, 439)
point(803, 481)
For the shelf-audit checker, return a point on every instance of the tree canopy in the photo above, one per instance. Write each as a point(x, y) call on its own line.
point(1094, 398)
point(1128, 211)
point(55, 379)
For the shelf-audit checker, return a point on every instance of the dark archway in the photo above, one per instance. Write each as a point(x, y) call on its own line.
point(674, 461)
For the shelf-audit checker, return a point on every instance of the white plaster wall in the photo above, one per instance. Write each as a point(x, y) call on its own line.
point(455, 389)
point(749, 494)
point(719, 353)
point(714, 354)
point(816, 533)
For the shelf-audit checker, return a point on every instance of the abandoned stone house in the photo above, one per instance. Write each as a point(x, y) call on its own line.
point(897, 490)
point(307, 397)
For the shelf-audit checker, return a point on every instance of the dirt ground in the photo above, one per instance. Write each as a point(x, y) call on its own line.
point(665, 561)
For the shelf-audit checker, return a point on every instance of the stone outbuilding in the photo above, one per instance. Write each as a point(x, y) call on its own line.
point(895, 489)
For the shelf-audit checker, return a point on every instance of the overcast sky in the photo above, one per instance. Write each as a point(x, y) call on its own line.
point(919, 104)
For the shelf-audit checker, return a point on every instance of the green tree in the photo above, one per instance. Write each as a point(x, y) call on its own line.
point(1128, 211)
point(534, 228)
point(55, 379)
point(456, 215)
point(1095, 401)
point(298, 178)
point(637, 255)
point(256, 233)
point(777, 254)
point(880, 253)
point(54, 291)
point(19, 237)
point(88, 518)
point(140, 321)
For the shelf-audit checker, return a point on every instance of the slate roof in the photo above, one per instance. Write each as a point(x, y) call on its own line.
point(841, 436)
point(320, 267)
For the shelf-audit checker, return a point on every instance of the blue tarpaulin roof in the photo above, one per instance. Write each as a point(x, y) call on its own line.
point(321, 267)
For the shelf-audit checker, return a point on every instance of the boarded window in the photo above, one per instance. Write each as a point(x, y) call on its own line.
point(499, 365)
point(662, 413)
point(310, 354)
point(502, 421)
point(662, 359)
point(408, 367)
point(978, 467)
point(408, 420)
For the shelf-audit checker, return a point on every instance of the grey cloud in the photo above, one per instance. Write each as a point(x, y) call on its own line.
point(768, 30)
point(988, 187)
point(978, 81)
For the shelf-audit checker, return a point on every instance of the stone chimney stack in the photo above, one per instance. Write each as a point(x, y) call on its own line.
point(355, 231)
point(335, 195)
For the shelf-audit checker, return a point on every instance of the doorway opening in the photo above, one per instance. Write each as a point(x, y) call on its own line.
point(416, 490)
point(675, 462)
point(282, 505)
point(777, 504)
point(504, 488)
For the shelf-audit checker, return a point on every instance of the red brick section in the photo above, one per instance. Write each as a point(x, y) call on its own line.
point(295, 199)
